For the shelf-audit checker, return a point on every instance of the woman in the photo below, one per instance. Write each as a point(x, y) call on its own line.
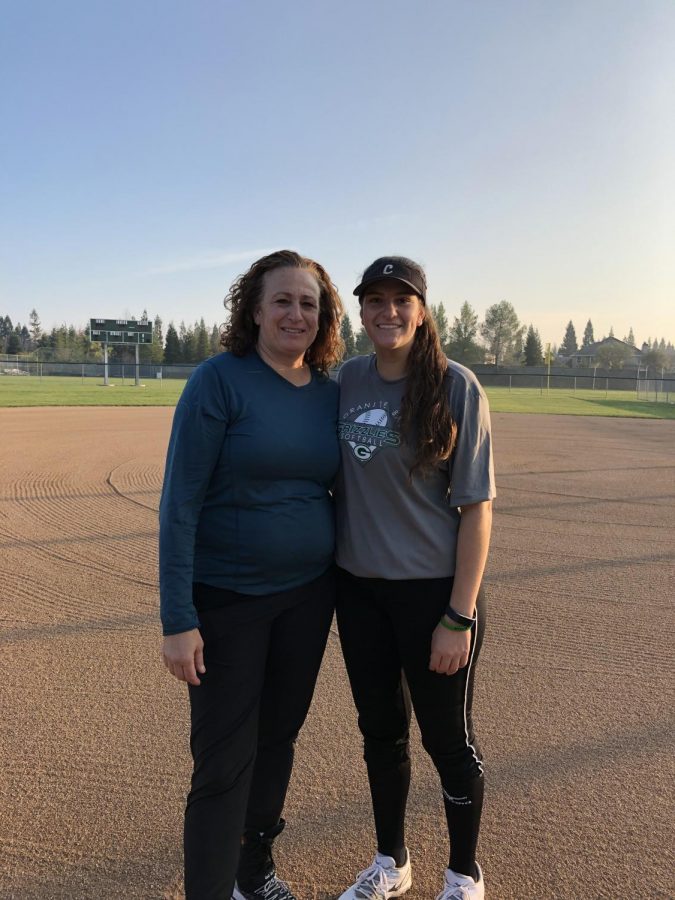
point(246, 548)
point(414, 515)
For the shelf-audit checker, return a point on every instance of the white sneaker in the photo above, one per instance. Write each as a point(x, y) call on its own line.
point(462, 887)
point(381, 880)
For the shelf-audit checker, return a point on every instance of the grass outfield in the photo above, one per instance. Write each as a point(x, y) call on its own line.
point(57, 391)
point(54, 390)
point(564, 402)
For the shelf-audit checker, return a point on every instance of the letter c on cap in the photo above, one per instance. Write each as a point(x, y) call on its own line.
point(388, 269)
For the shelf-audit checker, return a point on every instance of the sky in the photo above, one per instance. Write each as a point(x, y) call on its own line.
point(521, 150)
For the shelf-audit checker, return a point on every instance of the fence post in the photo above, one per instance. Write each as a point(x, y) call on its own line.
point(606, 388)
point(541, 385)
point(509, 384)
point(575, 384)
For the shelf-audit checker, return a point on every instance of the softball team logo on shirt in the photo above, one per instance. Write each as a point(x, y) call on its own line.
point(367, 432)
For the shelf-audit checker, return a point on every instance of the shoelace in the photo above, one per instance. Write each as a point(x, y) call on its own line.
point(457, 892)
point(373, 883)
point(274, 889)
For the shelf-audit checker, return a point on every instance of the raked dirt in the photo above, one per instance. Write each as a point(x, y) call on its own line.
point(574, 701)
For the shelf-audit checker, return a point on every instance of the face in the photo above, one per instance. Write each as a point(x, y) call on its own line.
point(288, 313)
point(391, 314)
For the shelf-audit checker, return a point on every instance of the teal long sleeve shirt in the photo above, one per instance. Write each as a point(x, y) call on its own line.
point(245, 503)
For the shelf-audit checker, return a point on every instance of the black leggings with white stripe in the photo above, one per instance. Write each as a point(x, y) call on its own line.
point(385, 631)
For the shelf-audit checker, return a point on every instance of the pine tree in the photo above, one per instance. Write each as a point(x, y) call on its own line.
point(13, 344)
point(588, 335)
point(442, 326)
point(201, 341)
point(611, 331)
point(172, 349)
point(214, 341)
point(630, 338)
point(35, 328)
point(462, 345)
point(347, 334)
point(156, 354)
point(363, 343)
point(6, 329)
point(569, 343)
point(186, 337)
point(533, 351)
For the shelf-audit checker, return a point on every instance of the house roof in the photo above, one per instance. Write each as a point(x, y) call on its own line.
point(592, 349)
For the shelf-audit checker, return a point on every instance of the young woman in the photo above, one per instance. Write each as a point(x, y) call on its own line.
point(414, 516)
point(246, 554)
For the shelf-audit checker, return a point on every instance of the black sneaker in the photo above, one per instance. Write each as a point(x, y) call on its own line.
point(256, 874)
point(272, 889)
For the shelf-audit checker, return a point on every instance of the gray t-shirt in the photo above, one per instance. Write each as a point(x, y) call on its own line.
point(388, 527)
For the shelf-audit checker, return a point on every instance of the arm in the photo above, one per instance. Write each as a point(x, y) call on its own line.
point(450, 649)
point(199, 427)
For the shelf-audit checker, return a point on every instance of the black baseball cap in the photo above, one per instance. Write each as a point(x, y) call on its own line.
point(400, 268)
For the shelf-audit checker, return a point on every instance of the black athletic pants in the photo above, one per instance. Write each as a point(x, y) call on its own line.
point(262, 658)
point(385, 630)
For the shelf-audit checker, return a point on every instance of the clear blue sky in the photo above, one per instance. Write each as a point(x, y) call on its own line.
point(521, 149)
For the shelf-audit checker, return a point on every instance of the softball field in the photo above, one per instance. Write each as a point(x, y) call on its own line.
point(574, 701)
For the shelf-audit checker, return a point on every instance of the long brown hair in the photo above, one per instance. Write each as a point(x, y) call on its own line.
point(426, 419)
point(240, 334)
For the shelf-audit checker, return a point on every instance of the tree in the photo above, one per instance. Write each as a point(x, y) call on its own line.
point(611, 331)
point(462, 344)
point(35, 328)
point(157, 346)
point(214, 340)
point(630, 338)
point(363, 343)
point(186, 338)
point(13, 342)
point(588, 335)
point(569, 343)
point(202, 348)
point(503, 332)
point(172, 350)
point(347, 334)
point(441, 320)
point(6, 329)
point(614, 355)
point(655, 358)
point(533, 351)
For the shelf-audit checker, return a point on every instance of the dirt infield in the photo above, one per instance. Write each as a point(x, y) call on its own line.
point(574, 705)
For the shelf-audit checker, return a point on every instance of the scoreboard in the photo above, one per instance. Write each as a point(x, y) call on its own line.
point(120, 331)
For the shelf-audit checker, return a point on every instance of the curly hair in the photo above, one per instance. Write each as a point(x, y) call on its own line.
point(427, 425)
point(240, 334)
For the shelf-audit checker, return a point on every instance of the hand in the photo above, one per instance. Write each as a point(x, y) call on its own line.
point(449, 650)
point(183, 655)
